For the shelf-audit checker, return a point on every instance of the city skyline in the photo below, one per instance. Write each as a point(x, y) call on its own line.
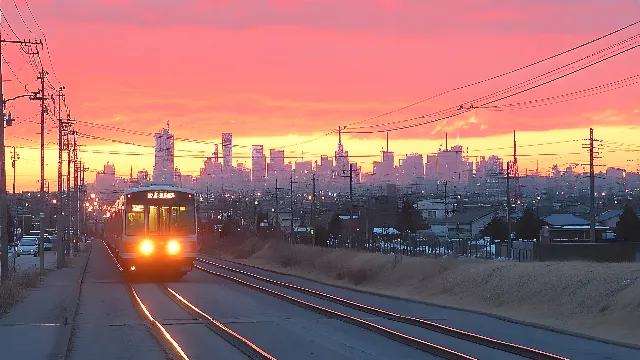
point(266, 93)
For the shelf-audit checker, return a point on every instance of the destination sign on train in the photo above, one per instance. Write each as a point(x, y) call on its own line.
point(161, 195)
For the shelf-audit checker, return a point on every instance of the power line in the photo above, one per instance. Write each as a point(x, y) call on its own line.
point(548, 74)
point(575, 95)
point(473, 84)
point(465, 110)
point(46, 46)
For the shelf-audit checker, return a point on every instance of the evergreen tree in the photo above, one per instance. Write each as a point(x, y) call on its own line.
point(496, 230)
point(335, 226)
point(628, 227)
point(529, 226)
point(409, 219)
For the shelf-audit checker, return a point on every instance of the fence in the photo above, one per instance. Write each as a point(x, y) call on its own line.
point(406, 244)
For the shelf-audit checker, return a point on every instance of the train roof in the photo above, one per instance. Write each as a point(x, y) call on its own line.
point(159, 188)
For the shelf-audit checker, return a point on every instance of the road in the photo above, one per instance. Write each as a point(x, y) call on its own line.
point(208, 315)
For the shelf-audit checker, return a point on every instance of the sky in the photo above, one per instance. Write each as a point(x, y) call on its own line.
point(284, 72)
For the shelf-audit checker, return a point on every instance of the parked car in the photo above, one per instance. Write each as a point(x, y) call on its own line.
point(27, 246)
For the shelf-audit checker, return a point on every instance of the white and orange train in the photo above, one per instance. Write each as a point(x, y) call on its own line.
point(154, 229)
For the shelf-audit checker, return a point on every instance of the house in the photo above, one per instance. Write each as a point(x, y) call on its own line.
point(433, 208)
point(468, 223)
point(563, 220)
point(609, 218)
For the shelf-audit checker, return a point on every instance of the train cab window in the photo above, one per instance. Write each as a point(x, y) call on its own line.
point(182, 220)
point(135, 221)
point(159, 219)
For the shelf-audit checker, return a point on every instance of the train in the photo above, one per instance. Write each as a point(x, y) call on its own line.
point(153, 230)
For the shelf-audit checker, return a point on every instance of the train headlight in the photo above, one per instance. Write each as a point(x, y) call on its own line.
point(173, 247)
point(146, 247)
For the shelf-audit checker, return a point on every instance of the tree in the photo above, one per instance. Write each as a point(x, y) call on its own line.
point(335, 226)
point(322, 235)
point(628, 227)
point(409, 219)
point(496, 230)
point(529, 225)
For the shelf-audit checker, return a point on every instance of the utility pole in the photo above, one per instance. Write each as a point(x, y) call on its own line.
point(508, 203)
point(592, 185)
point(350, 176)
point(313, 205)
point(60, 246)
point(291, 207)
point(43, 111)
point(68, 200)
point(14, 157)
point(4, 238)
point(277, 205)
point(41, 245)
point(446, 199)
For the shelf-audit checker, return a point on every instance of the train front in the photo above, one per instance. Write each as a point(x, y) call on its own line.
point(159, 232)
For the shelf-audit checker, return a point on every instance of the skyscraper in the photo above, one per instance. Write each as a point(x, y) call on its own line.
point(163, 170)
point(227, 150)
point(258, 163)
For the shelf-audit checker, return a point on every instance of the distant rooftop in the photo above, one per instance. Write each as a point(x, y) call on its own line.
point(564, 219)
point(608, 215)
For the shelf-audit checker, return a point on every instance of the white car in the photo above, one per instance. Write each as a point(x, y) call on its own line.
point(27, 246)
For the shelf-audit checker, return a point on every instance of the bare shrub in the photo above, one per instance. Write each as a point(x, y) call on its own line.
point(14, 290)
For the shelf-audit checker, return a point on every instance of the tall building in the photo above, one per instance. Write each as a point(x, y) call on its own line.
point(489, 167)
point(227, 150)
point(164, 156)
point(452, 166)
point(258, 164)
point(341, 157)
point(276, 168)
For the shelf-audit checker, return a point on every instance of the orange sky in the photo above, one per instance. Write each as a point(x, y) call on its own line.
point(281, 72)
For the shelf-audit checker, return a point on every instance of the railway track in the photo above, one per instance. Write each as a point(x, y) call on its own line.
point(164, 336)
point(429, 347)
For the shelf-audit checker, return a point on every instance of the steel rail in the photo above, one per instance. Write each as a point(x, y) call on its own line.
point(419, 344)
point(516, 349)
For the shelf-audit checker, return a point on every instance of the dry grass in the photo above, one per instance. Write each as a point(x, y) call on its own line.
point(593, 298)
point(14, 290)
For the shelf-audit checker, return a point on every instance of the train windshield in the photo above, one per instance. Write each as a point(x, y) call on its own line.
point(174, 220)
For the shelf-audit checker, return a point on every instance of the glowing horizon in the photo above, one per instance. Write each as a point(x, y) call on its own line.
point(286, 72)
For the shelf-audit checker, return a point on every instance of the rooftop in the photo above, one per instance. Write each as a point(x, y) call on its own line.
point(564, 219)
